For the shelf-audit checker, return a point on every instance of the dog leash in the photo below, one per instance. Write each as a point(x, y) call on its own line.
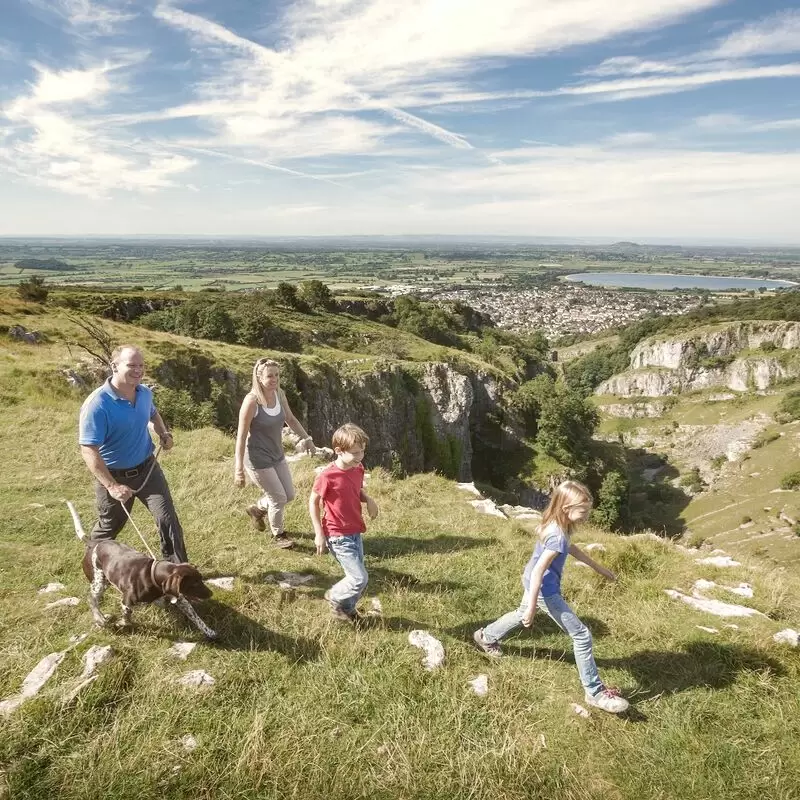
point(128, 513)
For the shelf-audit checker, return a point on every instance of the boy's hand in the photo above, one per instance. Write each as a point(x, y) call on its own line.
point(527, 617)
point(372, 508)
point(320, 543)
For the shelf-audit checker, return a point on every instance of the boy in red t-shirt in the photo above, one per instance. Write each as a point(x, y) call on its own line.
point(339, 490)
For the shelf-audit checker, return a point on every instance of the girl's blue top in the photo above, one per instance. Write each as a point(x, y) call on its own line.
point(553, 538)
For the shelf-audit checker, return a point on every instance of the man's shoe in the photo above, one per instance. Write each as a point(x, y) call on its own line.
point(608, 700)
point(256, 515)
point(283, 541)
point(491, 649)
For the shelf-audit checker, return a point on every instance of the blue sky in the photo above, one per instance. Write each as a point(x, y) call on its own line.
point(631, 119)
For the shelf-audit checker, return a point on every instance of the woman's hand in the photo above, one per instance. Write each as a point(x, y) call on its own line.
point(308, 446)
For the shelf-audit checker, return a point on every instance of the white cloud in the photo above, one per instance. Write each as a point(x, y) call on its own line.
point(87, 17)
point(774, 35)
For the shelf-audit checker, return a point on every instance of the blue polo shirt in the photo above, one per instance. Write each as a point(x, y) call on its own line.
point(118, 427)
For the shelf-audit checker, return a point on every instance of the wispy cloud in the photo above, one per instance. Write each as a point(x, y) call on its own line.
point(88, 17)
point(774, 35)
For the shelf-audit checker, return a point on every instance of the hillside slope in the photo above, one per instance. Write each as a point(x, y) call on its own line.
point(301, 707)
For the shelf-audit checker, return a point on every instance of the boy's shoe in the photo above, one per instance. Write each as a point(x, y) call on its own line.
point(491, 649)
point(282, 540)
point(340, 613)
point(256, 515)
point(608, 700)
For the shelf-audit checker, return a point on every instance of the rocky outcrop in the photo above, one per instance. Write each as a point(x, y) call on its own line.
point(633, 410)
point(717, 357)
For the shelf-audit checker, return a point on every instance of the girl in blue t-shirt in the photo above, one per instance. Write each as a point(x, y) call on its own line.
point(570, 504)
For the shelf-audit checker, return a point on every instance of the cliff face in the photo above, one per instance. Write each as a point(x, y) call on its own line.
point(706, 359)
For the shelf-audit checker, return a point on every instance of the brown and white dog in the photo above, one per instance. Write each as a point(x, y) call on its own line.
point(139, 579)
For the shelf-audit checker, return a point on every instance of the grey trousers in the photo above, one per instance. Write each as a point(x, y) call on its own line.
point(276, 483)
point(155, 495)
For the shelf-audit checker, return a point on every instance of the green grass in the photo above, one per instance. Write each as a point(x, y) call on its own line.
point(305, 708)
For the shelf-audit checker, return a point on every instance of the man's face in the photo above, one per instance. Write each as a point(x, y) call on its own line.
point(129, 367)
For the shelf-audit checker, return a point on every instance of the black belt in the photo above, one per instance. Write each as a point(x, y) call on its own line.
point(132, 472)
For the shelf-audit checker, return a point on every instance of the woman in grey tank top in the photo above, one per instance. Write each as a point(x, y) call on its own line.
point(259, 449)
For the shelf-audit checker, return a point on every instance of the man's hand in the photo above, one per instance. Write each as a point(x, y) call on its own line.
point(320, 543)
point(166, 440)
point(119, 491)
point(527, 617)
point(372, 508)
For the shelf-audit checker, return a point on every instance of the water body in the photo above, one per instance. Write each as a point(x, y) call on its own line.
point(642, 280)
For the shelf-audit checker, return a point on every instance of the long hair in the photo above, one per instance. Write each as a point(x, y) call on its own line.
point(565, 496)
point(257, 389)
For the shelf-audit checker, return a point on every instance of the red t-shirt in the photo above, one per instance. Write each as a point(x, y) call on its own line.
point(340, 490)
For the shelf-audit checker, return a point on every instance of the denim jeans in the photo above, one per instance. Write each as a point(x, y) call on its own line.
point(566, 619)
point(349, 552)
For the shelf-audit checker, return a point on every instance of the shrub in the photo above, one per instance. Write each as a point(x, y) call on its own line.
point(745, 519)
point(768, 346)
point(718, 461)
point(791, 480)
point(692, 480)
point(33, 290)
point(612, 501)
point(765, 437)
point(790, 405)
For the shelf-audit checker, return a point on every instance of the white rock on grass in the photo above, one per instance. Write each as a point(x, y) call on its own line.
point(33, 682)
point(702, 585)
point(64, 601)
point(718, 561)
point(197, 679)
point(487, 507)
point(290, 580)
point(469, 487)
point(580, 711)
point(707, 630)
point(480, 684)
point(95, 656)
point(433, 648)
point(181, 650)
point(376, 609)
point(221, 583)
point(788, 636)
point(715, 607)
point(601, 548)
point(51, 587)
point(188, 743)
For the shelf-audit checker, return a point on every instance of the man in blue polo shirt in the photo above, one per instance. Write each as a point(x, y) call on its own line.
point(117, 448)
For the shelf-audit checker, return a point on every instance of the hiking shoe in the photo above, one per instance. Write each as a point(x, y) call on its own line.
point(256, 515)
point(491, 649)
point(282, 540)
point(339, 612)
point(608, 700)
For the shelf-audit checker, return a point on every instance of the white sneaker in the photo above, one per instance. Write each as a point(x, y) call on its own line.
point(608, 700)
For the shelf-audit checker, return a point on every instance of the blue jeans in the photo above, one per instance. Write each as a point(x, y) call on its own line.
point(349, 552)
point(565, 618)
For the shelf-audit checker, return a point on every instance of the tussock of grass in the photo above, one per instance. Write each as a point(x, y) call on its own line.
point(303, 707)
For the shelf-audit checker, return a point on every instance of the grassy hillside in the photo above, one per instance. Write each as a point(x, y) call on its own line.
point(303, 707)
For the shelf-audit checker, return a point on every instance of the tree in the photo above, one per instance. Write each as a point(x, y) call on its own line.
point(33, 290)
point(612, 501)
point(316, 294)
point(566, 425)
point(286, 295)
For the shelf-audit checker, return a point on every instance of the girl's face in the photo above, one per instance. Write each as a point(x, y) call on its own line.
point(579, 512)
point(269, 377)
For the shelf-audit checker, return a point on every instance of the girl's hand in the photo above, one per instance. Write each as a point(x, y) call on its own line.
point(320, 543)
point(608, 574)
point(372, 508)
point(527, 617)
point(238, 480)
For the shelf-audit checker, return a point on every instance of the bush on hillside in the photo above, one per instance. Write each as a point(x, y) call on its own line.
point(791, 480)
point(315, 294)
point(789, 408)
point(33, 290)
point(612, 501)
point(566, 424)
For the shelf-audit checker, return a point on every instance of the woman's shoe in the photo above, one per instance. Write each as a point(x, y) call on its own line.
point(256, 515)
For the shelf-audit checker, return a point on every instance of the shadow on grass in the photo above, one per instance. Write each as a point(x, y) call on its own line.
point(239, 632)
point(388, 580)
point(711, 665)
point(390, 546)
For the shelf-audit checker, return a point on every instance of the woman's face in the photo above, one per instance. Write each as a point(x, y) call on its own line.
point(269, 377)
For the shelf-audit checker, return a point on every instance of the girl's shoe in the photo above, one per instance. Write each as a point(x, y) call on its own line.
point(491, 649)
point(256, 515)
point(608, 700)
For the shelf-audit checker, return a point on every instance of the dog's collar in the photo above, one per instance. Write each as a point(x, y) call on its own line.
point(153, 566)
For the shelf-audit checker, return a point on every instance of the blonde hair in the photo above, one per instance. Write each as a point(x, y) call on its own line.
point(348, 436)
point(566, 495)
point(257, 389)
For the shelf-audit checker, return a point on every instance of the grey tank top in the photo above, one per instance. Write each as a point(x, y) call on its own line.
point(264, 448)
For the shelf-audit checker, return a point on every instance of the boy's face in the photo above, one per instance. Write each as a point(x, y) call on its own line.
point(351, 457)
